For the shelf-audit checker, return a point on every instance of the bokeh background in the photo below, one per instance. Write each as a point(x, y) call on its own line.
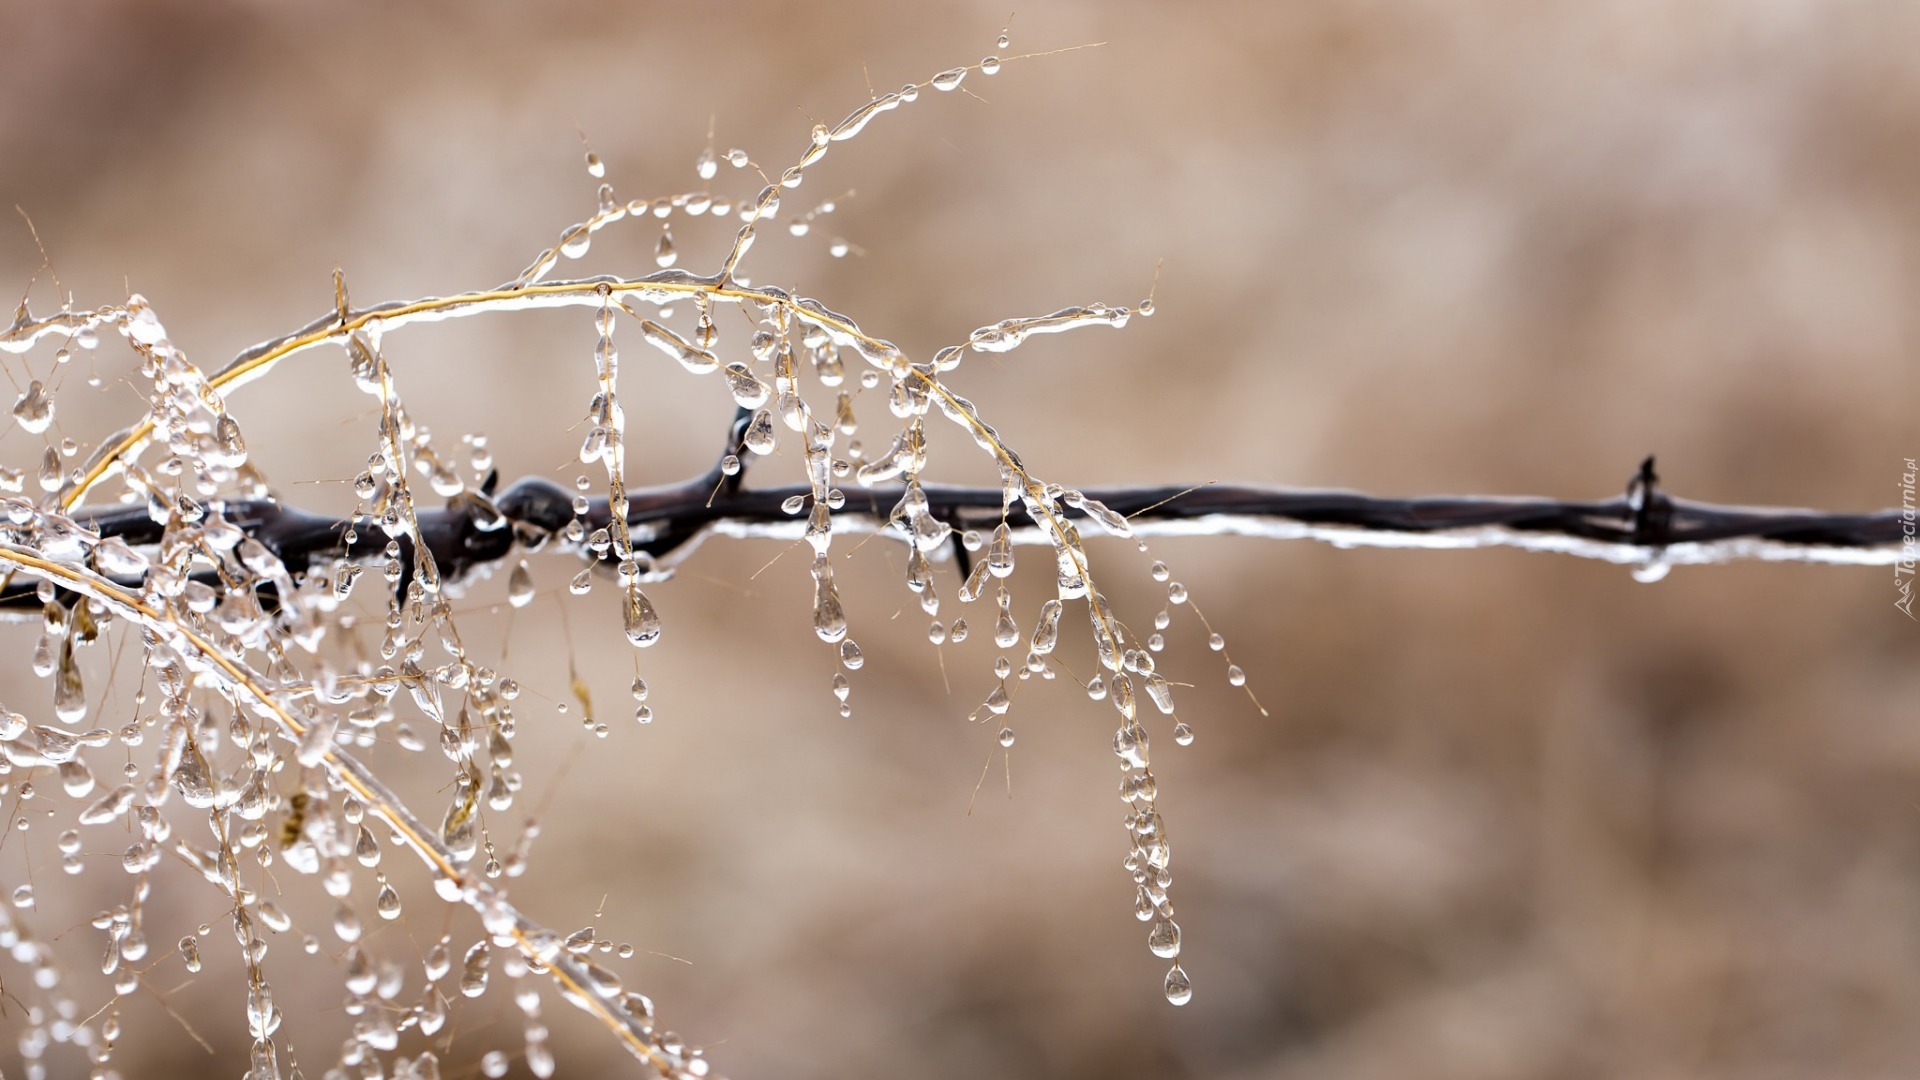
point(1512, 816)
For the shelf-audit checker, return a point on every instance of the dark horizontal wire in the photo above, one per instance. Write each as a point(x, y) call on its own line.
point(1645, 526)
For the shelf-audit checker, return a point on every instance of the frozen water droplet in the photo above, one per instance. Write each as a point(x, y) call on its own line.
point(1046, 633)
point(1177, 593)
point(1179, 987)
point(850, 657)
point(520, 585)
point(1164, 940)
point(759, 434)
point(1000, 552)
point(990, 65)
point(231, 448)
point(829, 618)
point(594, 445)
point(1183, 734)
point(582, 583)
point(664, 254)
point(957, 633)
point(595, 167)
point(949, 79)
point(1216, 642)
point(1006, 736)
point(841, 687)
point(1006, 633)
point(642, 621)
point(190, 953)
point(997, 701)
point(69, 695)
point(387, 902)
point(748, 391)
point(707, 165)
point(1159, 691)
point(473, 970)
point(34, 409)
point(1235, 675)
point(1649, 572)
point(1159, 571)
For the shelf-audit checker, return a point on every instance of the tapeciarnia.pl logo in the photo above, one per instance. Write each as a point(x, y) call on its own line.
point(1909, 543)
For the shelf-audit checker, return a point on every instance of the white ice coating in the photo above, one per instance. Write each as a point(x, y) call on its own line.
point(1276, 528)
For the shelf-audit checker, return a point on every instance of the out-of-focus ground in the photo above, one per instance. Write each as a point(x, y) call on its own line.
point(1513, 815)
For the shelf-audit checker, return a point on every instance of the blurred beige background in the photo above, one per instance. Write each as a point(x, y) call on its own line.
point(1513, 816)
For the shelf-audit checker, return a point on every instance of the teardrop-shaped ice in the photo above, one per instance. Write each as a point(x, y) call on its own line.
point(641, 620)
point(34, 409)
point(1179, 987)
point(520, 585)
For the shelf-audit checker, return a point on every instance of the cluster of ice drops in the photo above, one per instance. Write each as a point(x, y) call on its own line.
point(264, 723)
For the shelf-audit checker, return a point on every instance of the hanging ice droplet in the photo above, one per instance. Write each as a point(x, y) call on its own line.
point(949, 79)
point(230, 447)
point(829, 618)
point(582, 582)
point(69, 695)
point(1182, 734)
point(1046, 633)
point(473, 971)
point(1000, 552)
point(594, 445)
point(642, 621)
point(748, 391)
point(1006, 633)
point(1164, 940)
point(1179, 987)
point(850, 657)
point(34, 410)
point(595, 167)
point(663, 252)
point(759, 435)
point(1006, 736)
point(520, 585)
point(1646, 573)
